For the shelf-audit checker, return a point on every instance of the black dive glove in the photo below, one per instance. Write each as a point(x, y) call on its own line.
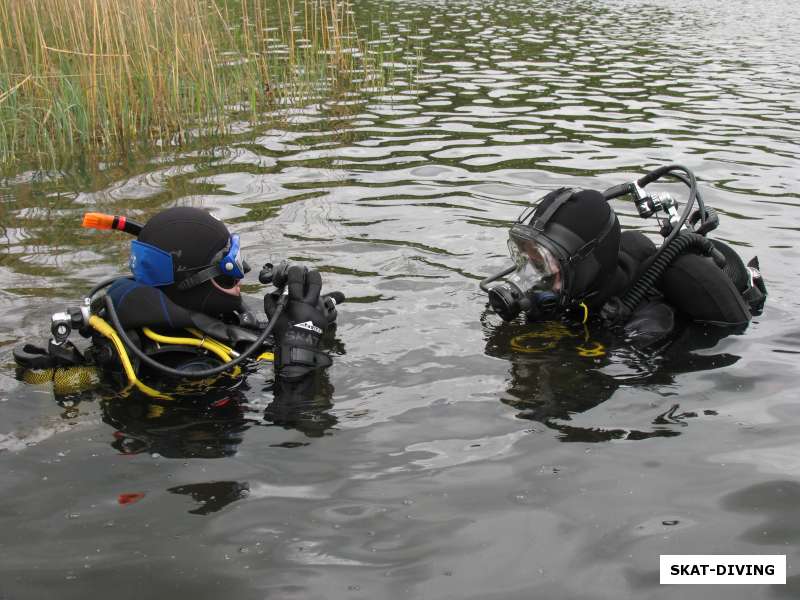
point(300, 325)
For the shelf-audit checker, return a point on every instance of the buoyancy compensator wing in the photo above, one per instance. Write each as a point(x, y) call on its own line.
point(726, 296)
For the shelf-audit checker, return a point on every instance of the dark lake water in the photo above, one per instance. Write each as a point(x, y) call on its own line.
point(438, 460)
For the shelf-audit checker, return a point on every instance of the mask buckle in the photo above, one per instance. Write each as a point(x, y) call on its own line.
point(228, 261)
point(582, 252)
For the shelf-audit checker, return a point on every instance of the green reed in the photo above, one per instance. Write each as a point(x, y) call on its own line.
point(100, 76)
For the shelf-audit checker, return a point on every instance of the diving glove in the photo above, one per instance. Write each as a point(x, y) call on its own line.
point(300, 325)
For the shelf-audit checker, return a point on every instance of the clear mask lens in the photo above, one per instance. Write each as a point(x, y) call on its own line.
point(537, 268)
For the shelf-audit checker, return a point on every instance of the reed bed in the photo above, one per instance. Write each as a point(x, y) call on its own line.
point(80, 76)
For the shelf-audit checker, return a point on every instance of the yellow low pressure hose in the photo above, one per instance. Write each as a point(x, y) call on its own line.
point(105, 329)
point(266, 356)
point(208, 344)
point(199, 334)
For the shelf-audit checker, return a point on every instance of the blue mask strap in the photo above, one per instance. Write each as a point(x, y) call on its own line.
point(151, 265)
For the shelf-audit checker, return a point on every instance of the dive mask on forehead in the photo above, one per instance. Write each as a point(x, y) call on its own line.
point(153, 266)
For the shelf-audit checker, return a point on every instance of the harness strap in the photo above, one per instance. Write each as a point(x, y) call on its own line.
point(199, 277)
point(563, 195)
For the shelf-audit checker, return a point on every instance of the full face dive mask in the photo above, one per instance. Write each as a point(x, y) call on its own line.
point(533, 286)
point(553, 264)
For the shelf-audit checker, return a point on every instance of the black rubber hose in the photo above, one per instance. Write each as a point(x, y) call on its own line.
point(700, 203)
point(105, 283)
point(621, 309)
point(205, 372)
point(658, 173)
point(618, 190)
point(500, 274)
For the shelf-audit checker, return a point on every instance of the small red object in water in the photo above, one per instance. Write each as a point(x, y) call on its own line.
point(221, 402)
point(129, 498)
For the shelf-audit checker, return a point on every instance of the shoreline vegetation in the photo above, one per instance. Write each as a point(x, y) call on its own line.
point(104, 77)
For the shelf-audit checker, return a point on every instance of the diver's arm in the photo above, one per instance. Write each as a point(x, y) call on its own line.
point(651, 323)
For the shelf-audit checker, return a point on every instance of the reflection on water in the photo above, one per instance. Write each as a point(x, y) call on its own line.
point(213, 496)
point(557, 371)
point(408, 465)
point(210, 423)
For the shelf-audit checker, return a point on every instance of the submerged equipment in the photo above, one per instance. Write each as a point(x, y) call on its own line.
point(561, 249)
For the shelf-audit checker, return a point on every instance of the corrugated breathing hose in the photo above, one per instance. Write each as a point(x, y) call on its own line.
point(619, 310)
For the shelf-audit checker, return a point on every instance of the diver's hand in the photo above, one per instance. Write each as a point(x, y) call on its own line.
point(300, 326)
point(328, 304)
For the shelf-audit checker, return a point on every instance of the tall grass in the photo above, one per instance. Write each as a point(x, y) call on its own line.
point(82, 76)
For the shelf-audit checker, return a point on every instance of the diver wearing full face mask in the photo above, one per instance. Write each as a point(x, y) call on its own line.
point(572, 260)
point(563, 249)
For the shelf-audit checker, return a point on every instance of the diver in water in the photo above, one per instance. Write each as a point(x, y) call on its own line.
point(181, 318)
point(600, 303)
point(572, 262)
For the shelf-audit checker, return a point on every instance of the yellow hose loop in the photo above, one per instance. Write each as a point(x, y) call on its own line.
point(229, 352)
point(105, 329)
point(265, 356)
point(541, 339)
point(592, 350)
point(210, 345)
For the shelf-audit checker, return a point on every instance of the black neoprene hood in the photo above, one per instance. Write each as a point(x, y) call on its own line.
point(582, 231)
point(193, 237)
